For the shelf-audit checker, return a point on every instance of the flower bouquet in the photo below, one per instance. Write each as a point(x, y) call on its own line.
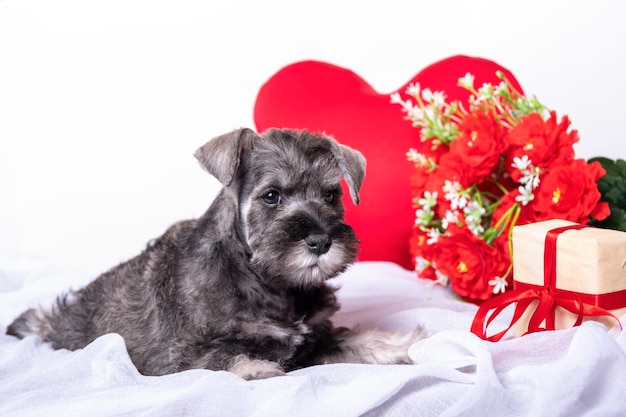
point(481, 167)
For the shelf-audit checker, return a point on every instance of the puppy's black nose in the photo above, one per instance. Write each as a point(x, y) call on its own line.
point(319, 244)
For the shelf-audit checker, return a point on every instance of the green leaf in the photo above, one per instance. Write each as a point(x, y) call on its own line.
point(612, 187)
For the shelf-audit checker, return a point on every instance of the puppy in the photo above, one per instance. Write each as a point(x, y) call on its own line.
point(242, 288)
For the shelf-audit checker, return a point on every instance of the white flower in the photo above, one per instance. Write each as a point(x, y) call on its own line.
point(439, 98)
point(414, 156)
point(436, 98)
point(467, 81)
point(429, 200)
point(474, 210)
point(485, 93)
point(454, 194)
point(421, 264)
point(442, 279)
point(452, 189)
point(427, 95)
point(523, 163)
point(429, 113)
point(499, 285)
point(530, 173)
point(396, 99)
point(475, 227)
point(413, 90)
point(486, 90)
point(407, 106)
point(423, 216)
point(419, 159)
point(501, 89)
point(433, 236)
point(531, 178)
point(526, 195)
point(473, 217)
point(415, 114)
point(451, 217)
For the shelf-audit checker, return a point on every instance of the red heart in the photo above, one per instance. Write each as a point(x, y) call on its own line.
point(328, 99)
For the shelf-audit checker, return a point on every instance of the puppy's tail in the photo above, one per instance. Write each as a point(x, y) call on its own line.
point(59, 324)
point(30, 322)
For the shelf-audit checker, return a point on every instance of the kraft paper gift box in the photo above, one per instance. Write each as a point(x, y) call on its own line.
point(590, 267)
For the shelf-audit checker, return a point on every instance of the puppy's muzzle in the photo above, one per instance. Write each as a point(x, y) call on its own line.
point(318, 243)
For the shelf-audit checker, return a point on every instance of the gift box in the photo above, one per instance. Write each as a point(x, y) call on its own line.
point(583, 274)
point(564, 273)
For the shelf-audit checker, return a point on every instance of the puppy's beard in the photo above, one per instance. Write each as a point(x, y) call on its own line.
point(302, 268)
point(314, 269)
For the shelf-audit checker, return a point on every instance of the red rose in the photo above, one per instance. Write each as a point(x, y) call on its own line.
point(453, 167)
point(469, 263)
point(546, 142)
point(570, 192)
point(478, 146)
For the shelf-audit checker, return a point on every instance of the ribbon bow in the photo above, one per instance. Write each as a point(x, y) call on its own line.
point(548, 297)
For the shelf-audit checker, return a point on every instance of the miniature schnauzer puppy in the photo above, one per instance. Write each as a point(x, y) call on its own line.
point(243, 288)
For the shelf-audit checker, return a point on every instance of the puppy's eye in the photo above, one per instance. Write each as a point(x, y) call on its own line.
point(272, 197)
point(329, 197)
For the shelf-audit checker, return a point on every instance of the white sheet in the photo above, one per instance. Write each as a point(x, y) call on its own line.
point(573, 372)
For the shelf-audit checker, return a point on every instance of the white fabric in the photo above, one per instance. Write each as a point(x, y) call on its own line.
point(575, 372)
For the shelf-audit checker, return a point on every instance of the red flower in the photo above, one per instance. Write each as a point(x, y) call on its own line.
point(470, 263)
point(570, 192)
point(491, 165)
point(478, 147)
point(452, 167)
point(422, 253)
point(545, 142)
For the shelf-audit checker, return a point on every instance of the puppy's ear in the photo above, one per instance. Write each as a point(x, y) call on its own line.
point(352, 164)
point(221, 155)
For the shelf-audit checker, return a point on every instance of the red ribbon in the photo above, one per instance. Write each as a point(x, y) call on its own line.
point(548, 297)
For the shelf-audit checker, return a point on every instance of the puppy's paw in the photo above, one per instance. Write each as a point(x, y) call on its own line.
point(248, 369)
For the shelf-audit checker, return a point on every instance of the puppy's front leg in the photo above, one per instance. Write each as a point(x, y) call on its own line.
point(248, 368)
point(374, 346)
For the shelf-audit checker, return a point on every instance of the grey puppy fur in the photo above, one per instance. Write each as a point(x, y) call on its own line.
point(243, 288)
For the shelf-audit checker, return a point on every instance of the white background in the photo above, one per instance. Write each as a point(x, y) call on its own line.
point(102, 103)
